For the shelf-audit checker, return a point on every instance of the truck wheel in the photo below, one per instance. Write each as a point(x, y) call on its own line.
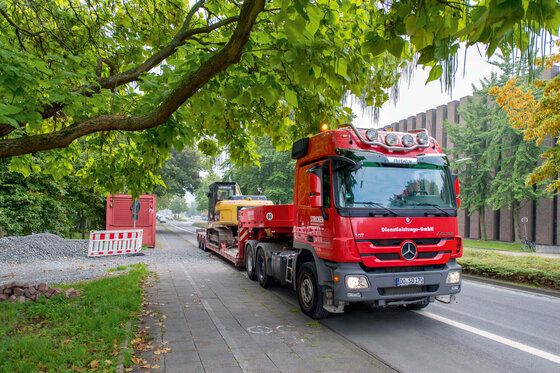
point(250, 263)
point(264, 279)
point(203, 245)
point(309, 295)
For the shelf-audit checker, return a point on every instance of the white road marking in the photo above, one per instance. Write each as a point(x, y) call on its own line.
point(494, 337)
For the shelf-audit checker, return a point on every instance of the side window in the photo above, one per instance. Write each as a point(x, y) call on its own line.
point(326, 184)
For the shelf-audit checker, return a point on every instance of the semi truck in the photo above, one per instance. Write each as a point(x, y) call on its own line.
point(374, 219)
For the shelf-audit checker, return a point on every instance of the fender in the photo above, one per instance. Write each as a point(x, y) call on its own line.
point(324, 272)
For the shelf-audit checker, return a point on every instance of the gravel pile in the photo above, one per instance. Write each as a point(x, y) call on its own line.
point(51, 259)
point(42, 246)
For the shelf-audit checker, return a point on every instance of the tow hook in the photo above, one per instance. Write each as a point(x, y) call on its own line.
point(444, 299)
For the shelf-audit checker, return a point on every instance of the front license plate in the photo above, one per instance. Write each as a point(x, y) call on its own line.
point(407, 281)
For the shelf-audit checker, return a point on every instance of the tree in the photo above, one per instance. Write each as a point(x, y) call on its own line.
point(38, 203)
point(178, 205)
point(274, 174)
point(180, 173)
point(200, 194)
point(471, 140)
point(534, 108)
point(126, 80)
point(500, 160)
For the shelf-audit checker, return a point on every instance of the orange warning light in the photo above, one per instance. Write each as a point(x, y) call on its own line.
point(324, 127)
point(336, 279)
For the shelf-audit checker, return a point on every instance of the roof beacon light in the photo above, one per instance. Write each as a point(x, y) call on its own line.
point(371, 134)
point(391, 139)
point(324, 127)
point(408, 140)
point(422, 138)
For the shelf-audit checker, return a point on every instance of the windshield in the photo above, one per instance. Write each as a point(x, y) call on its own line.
point(390, 186)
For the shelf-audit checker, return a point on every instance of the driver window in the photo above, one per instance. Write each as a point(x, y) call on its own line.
point(326, 185)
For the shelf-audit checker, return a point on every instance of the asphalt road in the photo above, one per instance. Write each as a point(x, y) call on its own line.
point(490, 329)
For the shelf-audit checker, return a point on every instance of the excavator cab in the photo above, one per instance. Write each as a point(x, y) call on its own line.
point(220, 191)
point(224, 203)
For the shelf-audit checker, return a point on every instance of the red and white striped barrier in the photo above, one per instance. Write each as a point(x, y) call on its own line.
point(115, 242)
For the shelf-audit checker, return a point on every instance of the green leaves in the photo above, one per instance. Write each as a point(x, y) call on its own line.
point(435, 73)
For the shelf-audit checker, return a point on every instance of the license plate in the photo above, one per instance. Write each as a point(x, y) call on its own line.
point(406, 281)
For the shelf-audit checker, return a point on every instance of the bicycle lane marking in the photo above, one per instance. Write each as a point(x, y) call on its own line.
point(494, 337)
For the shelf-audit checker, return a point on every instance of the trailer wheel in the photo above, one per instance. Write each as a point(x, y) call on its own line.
point(264, 279)
point(250, 263)
point(203, 245)
point(309, 295)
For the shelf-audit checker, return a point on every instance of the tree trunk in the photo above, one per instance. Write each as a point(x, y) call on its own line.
point(516, 222)
point(482, 223)
point(83, 224)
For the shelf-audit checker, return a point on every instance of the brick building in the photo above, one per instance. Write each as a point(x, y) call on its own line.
point(542, 226)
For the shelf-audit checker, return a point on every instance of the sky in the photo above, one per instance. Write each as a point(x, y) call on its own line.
point(416, 97)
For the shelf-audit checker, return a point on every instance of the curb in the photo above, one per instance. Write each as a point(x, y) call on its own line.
point(120, 360)
point(510, 285)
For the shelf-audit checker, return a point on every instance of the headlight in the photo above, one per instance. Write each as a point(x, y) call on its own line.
point(453, 277)
point(422, 138)
point(371, 134)
point(356, 282)
point(408, 140)
point(391, 139)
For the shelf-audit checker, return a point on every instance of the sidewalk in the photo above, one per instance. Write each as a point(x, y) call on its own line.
point(214, 319)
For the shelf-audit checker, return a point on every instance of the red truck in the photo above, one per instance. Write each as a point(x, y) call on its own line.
point(374, 220)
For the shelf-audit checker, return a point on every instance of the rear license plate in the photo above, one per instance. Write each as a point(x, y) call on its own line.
point(407, 281)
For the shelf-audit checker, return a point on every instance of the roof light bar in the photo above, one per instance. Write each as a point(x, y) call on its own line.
point(421, 140)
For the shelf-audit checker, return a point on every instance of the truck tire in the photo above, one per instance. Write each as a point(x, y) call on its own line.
point(260, 269)
point(309, 295)
point(250, 263)
point(203, 245)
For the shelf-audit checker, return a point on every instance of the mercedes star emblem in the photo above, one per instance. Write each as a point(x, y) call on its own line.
point(408, 250)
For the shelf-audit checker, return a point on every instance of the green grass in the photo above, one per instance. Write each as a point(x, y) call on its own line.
point(200, 225)
point(119, 268)
point(492, 245)
point(524, 269)
point(72, 334)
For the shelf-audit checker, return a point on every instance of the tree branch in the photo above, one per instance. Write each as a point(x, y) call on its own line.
point(131, 75)
point(227, 56)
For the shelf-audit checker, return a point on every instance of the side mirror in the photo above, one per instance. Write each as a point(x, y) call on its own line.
point(455, 179)
point(315, 199)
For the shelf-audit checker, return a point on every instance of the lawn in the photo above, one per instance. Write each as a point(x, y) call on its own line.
point(77, 334)
point(492, 245)
point(526, 269)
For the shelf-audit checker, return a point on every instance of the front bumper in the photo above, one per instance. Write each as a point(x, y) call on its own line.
point(383, 285)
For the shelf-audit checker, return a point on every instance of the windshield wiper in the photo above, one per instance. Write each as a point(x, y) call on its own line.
point(378, 205)
point(346, 162)
point(428, 204)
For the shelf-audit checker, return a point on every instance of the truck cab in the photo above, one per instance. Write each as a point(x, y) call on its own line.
point(377, 211)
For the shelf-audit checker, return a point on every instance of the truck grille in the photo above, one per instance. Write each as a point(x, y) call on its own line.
point(396, 256)
point(398, 242)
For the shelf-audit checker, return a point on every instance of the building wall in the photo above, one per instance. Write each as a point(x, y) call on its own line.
point(543, 224)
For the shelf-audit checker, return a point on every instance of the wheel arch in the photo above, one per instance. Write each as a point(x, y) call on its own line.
point(307, 253)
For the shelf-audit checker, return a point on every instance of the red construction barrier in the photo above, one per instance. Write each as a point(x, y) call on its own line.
point(115, 242)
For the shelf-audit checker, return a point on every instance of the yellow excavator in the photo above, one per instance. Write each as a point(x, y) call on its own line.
point(224, 203)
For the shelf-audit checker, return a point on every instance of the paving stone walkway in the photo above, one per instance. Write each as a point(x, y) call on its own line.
point(214, 319)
